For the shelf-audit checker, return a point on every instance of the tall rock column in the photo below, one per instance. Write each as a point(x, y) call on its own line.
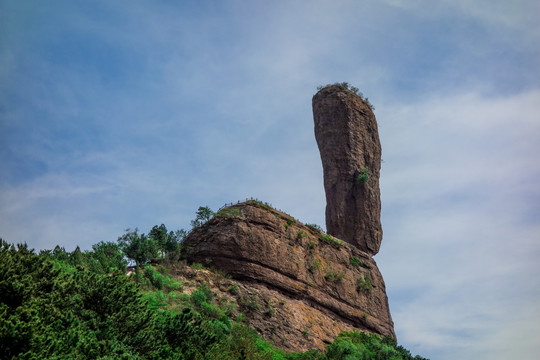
point(348, 140)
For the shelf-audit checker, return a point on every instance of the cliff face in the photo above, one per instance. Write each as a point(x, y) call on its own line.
point(316, 285)
point(311, 285)
point(348, 139)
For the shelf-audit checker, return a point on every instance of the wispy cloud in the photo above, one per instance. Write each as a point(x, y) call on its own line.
point(114, 117)
point(460, 216)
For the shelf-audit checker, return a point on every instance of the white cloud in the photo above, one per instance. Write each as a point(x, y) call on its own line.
point(461, 224)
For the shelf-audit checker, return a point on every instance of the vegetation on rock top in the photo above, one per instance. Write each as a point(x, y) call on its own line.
point(347, 86)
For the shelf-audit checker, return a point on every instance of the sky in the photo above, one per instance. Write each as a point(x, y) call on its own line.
point(125, 114)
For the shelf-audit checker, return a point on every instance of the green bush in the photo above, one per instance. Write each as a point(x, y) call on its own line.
point(356, 261)
point(315, 265)
point(229, 213)
point(260, 204)
point(316, 228)
point(331, 240)
point(334, 276)
point(49, 312)
point(364, 283)
point(50, 309)
point(362, 176)
point(363, 346)
point(197, 266)
point(351, 88)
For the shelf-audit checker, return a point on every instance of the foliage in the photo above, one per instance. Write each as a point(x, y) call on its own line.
point(197, 266)
point(315, 265)
point(203, 215)
point(316, 228)
point(48, 312)
point(354, 89)
point(233, 289)
point(79, 304)
point(229, 213)
point(260, 204)
point(355, 261)
point(364, 283)
point(157, 245)
point(104, 258)
point(363, 176)
point(160, 281)
point(139, 247)
point(290, 221)
point(331, 240)
point(363, 346)
point(334, 276)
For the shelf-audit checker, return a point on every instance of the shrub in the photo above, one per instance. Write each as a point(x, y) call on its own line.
point(229, 213)
point(197, 266)
point(364, 283)
point(362, 176)
point(353, 89)
point(334, 276)
point(233, 289)
point(311, 245)
point(331, 240)
point(290, 221)
point(249, 302)
point(315, 265)
point(316, 228)
point(356, 261)
point(260, 204)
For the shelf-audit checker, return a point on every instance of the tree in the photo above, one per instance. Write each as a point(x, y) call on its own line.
point(204, 214)
point(139, 248)
point(107, 257)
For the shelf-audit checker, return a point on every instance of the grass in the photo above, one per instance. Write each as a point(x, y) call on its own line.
point(356, 261)
point(362, 176)
point(364, 283)
point(334, 276)
point(315, 265)
point(316, 228)
point(329, 239)
point(353, 89)
point(229, 213)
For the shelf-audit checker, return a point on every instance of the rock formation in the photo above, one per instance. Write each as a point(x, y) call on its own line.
point(304, 287)
point(348, 140)
point(300, 287)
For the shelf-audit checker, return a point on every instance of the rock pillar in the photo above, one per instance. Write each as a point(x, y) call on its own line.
point(348, 140)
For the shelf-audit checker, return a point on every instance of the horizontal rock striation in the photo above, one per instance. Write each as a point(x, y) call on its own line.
point(348, 140)
point(319, 285)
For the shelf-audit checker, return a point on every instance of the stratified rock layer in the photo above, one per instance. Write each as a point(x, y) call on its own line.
point(348, 139)
point(308, 286)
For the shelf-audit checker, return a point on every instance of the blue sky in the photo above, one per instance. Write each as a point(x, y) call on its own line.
point(125, 114)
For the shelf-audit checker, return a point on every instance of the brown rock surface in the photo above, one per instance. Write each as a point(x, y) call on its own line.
point(348, 139)
point(302, 285)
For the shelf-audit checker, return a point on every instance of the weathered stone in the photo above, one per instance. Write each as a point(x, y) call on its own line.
point(348, 139)
point(308, 286)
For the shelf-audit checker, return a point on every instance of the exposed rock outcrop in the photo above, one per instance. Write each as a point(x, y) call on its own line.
point(348, 139)
point(316, 285)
